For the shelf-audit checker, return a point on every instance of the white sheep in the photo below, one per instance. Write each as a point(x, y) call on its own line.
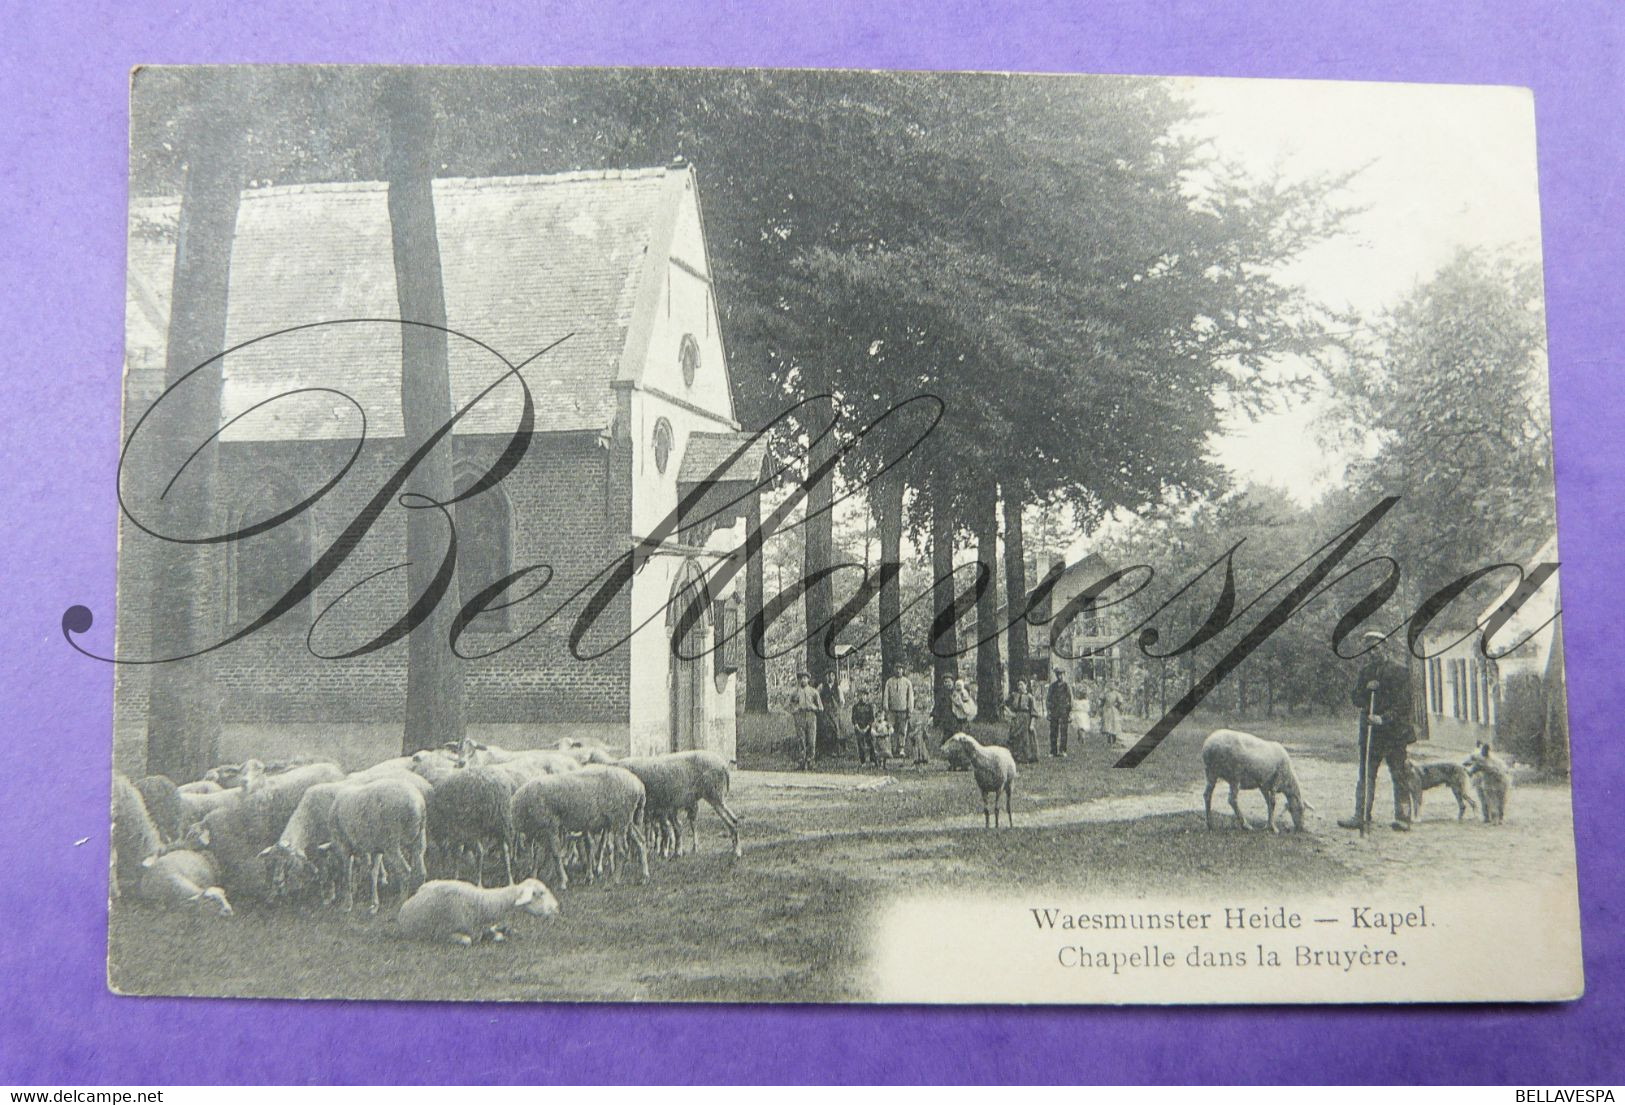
point(676, 783)
point(604, 803)
point(183, 877)
point(300, 847)
point(1246, 761)
point(447, 909)
point(995, 772)
point(377, 821)
point(195, 806)
point(201, 786)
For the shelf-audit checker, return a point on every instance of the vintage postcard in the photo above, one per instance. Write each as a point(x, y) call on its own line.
point(820, 536)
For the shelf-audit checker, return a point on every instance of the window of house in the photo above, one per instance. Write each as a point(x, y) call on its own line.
point(1458, 689)
point(261, 569)
point(662, 445)
point(1435, 678)
point(689, 357)
point(484, 550)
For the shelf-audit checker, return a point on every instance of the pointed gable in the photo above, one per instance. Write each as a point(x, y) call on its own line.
point(525, 261)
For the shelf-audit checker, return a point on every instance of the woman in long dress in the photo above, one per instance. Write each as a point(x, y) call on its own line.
point(1111, 716)
point(1023, 732)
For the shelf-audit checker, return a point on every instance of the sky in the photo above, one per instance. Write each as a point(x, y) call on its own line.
point(1444, 166)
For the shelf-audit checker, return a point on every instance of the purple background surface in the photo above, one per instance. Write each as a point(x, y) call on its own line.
point(63, 78)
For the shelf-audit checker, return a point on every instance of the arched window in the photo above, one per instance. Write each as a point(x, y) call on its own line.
point(484, 548)
point(261, 569)
point(688, 355)
point(662, 445)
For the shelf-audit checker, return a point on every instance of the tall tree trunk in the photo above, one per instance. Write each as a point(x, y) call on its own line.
point(435, 707)
point(755, 599)
point(989, 669)
point(888, 508)
point(944, 645)
point(1015, 585)
point(183, 710)
point(818, 554)
point(819, 550)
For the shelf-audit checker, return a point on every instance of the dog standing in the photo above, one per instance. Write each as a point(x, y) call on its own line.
point(1428, 774)
point(1493, 778)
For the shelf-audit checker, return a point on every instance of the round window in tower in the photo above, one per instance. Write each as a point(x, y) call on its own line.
point(662, 445)
point(689, 357)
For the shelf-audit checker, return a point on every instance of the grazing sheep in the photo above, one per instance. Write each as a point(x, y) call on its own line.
point(603, 802)
point(995, 772)
point(200, 786)
point(238, 833)
point(164, 806)
point(299, 851)
point(1243, 760)
point(469, 810)
point(377, 821)
point(466, 914)
point(135, 838)
point(676, 783)
point(183, 877)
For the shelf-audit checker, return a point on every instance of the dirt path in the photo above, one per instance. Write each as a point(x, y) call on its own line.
point(1536, 841)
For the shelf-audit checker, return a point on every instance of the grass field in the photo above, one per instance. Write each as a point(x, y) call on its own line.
point(790, 919)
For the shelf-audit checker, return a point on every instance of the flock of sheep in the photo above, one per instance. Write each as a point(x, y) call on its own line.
point(307, 830)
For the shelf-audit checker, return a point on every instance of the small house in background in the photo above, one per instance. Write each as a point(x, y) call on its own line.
point(1064, 632)
point(633, 409)
point(1514, 697)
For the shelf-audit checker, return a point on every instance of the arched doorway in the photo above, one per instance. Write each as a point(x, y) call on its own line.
point(688, 664)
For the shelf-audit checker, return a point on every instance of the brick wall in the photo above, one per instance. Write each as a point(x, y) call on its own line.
point(568, 509)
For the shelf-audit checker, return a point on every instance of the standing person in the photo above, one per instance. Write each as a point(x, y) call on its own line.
point(898, 700)
point(942, 719)
point(1111, 715)
point(805, 706)
point(1382, 694)
point(1081, 721)
point(1023, 727)
point(964, 706)
point(830, 740)
point(863, 723)
point(1058, 703)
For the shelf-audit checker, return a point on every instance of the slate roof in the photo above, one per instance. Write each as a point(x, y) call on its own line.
point(705, 451)
point(524, 260)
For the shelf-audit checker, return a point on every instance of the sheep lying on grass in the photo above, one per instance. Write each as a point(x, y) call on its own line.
point(184, 877)
point(1246, 761)
point(605, 803)
point(378, 821)
point(995, 772)
point(459, 912)
point(676, 783)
